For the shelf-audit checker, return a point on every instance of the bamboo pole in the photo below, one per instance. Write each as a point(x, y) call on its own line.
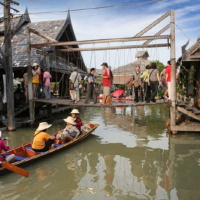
point(83, 42)
point(153, 24)
point(30, 87)
point(42, 35)
point(173, 70)
point(158, 33)
point(115, 47)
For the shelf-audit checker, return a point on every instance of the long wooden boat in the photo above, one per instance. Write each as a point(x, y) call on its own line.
point(24, 154)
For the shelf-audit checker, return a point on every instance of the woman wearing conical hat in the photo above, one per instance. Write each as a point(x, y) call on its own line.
point(42, 141)
point(70, 132)
point(77, 119)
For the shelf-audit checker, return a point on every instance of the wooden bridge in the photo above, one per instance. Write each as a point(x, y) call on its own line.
point(67, 102)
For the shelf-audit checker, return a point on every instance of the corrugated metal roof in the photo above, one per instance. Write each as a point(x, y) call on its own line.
point(14, 23)
point(19, 41)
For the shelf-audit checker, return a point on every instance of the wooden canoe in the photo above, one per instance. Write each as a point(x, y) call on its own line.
point(24, 153)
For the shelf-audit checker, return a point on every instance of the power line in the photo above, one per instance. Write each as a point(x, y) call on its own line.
point(97, 8)
point(186, 35)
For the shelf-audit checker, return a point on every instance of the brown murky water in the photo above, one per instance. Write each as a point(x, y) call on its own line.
point(129, 156)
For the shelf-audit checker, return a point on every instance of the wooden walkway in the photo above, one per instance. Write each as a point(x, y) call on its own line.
point(187, 126)
point(67, 102)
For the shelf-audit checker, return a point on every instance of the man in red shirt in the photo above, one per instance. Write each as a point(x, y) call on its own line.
point(106, 82)
point(168, 77)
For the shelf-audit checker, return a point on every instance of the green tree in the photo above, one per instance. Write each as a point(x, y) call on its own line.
point(160, 65)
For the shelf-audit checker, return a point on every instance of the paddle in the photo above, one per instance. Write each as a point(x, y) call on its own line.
point(14, 168)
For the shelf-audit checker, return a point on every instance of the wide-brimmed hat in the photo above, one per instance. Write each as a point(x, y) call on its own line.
point(43, 126)
point(35, 64)
point(70, 120)
point(75, 111)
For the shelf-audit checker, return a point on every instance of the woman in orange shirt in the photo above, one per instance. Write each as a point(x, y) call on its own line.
point(42, 141)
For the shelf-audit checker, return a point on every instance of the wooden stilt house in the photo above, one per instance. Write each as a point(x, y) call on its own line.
point(60, 64)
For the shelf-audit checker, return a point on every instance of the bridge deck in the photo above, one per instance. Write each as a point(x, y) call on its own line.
point(67, 102)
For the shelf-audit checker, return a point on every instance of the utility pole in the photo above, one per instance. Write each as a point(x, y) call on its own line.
point(30, 88)
point(8, 63)
point(173, 70)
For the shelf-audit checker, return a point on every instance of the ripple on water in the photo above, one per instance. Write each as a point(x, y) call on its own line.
point(129, 156)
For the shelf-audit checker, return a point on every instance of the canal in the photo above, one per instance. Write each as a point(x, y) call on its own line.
point(129, 156)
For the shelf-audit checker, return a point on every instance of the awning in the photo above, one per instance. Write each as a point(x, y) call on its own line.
point(123, 80)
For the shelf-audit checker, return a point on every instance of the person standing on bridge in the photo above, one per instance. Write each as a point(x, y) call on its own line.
point(91, 84)
point(47, 83)
point(168, 78)
point(147, 88)
point(137, 84)
point(35, 80)
point(106, 82)
point(153, 81)
point(75, 78)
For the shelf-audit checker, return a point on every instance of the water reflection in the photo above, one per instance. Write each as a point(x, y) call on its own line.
point(129, 156)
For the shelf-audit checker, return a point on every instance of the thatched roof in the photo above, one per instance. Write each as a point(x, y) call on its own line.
point(142, 54)
point(130, 68)
point(142, 61)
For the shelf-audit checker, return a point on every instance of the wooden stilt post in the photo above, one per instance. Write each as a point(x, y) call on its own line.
point(173, 70)
point(8, 67)
point(48, 63)
point(49, 110)
point(30, 87)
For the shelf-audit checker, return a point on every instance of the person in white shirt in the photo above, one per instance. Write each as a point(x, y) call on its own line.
point(75, 78)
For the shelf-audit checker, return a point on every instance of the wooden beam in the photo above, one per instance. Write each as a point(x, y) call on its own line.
point(187, 128)
point(8, 68)
point(30, 87)
point(153, 24)
point(82, 104)
point(157, 34)
point(115, 47)
point(172, 96)
point(42, 35)
point(184, 140)
point(83, 42)
point(189, 113)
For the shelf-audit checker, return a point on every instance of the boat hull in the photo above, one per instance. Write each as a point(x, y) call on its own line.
point(31, 156)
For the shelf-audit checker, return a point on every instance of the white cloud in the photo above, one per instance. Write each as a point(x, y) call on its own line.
point(112, 23)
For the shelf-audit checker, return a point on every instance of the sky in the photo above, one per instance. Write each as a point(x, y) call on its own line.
point(120, 22)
